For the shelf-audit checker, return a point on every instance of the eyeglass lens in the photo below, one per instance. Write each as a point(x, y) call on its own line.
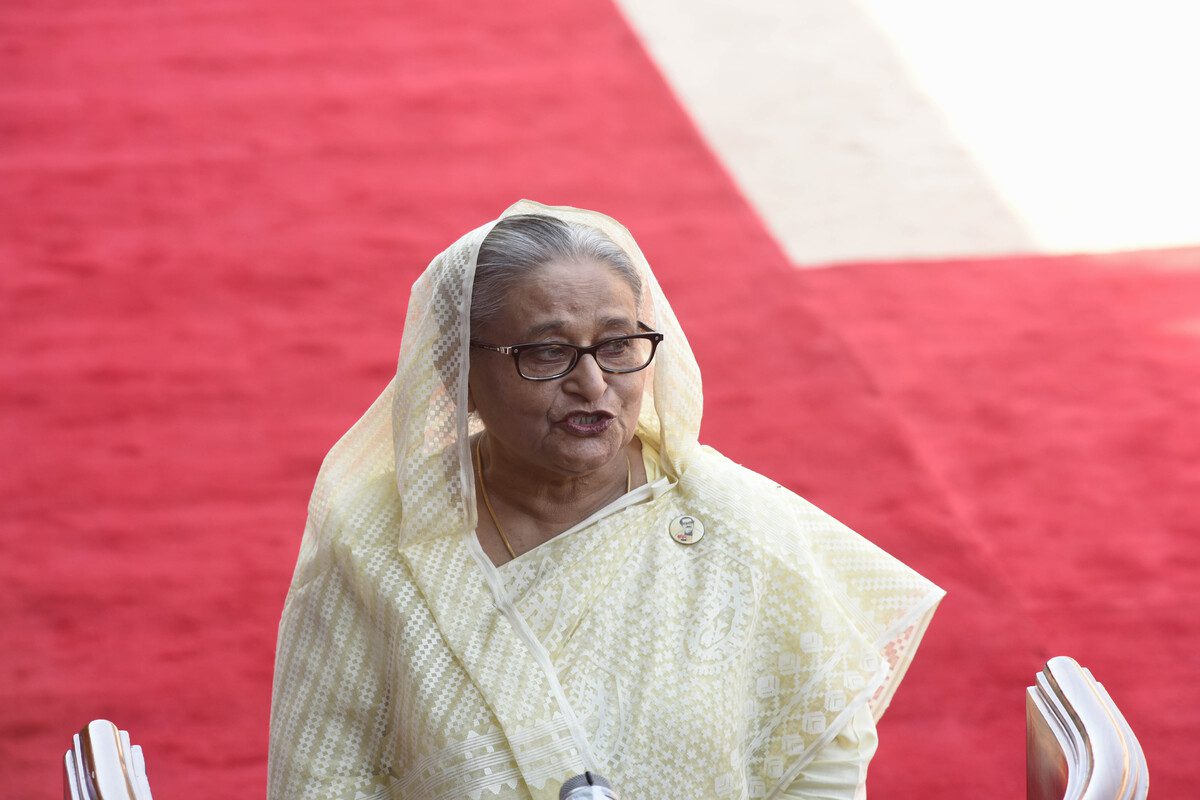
point(550, 360)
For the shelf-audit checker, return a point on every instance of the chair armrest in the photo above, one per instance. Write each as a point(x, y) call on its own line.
point(103, 765)
point(1078, 745)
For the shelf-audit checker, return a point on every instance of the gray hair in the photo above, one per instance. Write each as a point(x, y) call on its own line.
point(519, 244)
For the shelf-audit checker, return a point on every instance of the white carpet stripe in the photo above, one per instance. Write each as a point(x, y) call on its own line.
point(875, 129)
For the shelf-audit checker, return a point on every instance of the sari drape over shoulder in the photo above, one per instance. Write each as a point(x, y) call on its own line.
point(409, 666)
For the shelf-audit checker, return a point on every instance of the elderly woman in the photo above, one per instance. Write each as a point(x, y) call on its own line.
point(520, 564)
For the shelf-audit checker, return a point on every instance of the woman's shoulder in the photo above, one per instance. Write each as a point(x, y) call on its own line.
point(740, 490)
point(356, 514)
point(762, 514)
point(803, 549)
point(349, 523)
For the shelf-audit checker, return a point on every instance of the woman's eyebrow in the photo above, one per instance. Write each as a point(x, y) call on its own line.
point(544, 327)
point(619, 322)
point(558, 326)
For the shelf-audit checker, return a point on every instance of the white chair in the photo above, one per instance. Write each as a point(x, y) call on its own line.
point(1078, 746)
point(103, 765)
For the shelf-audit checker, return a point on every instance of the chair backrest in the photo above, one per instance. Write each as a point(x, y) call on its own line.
point(1078, 746)
point(103, 765)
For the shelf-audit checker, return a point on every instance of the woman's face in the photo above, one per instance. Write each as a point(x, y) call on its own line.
point(546, 426)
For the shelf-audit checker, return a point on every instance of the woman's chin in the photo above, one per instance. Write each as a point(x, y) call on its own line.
point(584, 456)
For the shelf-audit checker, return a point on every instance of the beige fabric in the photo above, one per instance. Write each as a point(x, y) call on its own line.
point(409, 666)
point(838, 771)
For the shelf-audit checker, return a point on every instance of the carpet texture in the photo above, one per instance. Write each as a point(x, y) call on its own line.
point(210, 217)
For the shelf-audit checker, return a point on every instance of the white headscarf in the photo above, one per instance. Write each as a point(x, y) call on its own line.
point(427, 424)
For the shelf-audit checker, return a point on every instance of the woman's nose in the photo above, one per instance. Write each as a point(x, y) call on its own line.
point(587, 379)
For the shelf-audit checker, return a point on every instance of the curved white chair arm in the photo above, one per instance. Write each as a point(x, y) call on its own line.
point(102, 765)
point(1078, 745)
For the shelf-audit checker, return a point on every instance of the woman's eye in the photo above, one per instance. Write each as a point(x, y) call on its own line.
point(614, 348)
point(549, 353)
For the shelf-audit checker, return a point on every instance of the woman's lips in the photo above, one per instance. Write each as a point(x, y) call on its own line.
point(581, 423)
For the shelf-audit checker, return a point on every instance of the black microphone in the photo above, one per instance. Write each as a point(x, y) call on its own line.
point(588, 786)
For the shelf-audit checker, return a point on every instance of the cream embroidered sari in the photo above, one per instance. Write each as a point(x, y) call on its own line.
point(408, 666)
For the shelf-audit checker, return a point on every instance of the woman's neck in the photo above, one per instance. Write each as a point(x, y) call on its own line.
point(533, 508)
point(554, 498)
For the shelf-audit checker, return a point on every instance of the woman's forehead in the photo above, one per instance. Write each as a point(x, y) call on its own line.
point(573, 272)
point(565, 296)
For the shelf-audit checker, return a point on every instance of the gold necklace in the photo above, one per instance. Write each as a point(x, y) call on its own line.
point(488, 503)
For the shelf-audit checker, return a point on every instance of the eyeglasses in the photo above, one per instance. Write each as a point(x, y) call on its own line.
point(545, 361)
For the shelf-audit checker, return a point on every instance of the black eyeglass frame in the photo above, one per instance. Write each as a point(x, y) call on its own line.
point(655, 338)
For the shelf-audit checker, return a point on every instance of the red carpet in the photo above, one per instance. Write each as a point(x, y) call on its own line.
point(1057, 402)
point(211, 215)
